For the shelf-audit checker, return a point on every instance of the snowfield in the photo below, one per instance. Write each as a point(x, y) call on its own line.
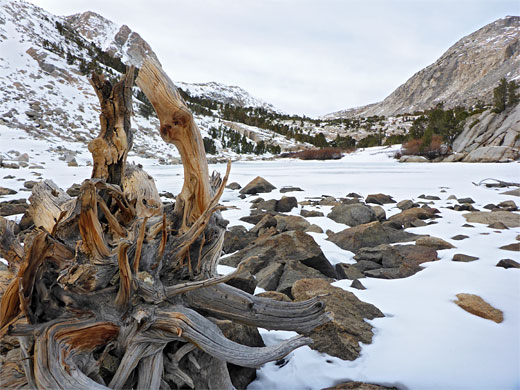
point(425, 341)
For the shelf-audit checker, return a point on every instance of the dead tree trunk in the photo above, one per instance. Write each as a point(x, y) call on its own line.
point(117, 292)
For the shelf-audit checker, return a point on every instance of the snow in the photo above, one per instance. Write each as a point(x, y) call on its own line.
point(424, 341)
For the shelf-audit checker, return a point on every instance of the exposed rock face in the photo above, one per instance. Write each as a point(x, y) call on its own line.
point(477, 306)
point(490, 137)
point(466, 72)
point(341, 336)
point(124, 43)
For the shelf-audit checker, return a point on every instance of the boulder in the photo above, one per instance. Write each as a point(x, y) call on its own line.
point(310, 213)
point(341, 336)
point(266, 222)
point(291, 222)
point(498, 225)
point(286, 204)
point(265, 205)
point(313, 229)
point(352, 214)
point(256, 186)
point(508, 218)
point(234, 186)
point(236, 238)
point(409, 216)
point(359, 386)
point(515, 192)
point(463, 258)
point(429, 197)
point(508, 205)
point(7, 191)
point(293, 272)
point(406, 204)
point(414, 159)
point(74, 190)
point(244, 281)
point(379, 199)
point(492, 154)
point(433, 242)
point(328, 201)
point(268, 278)
point(508, 263)
point(285, 189)
point(459, 237)
point(368, 235)
point(357, 285)
point(393, 261)
point(512, 247)
point(287, 247)
point(13, 207)
point(465, 200)
point(476, 305)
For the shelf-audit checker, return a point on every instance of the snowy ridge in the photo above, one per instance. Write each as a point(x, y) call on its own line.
point(225, 94)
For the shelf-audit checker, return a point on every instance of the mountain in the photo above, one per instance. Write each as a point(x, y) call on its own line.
point(465, 74)
point(45, 62)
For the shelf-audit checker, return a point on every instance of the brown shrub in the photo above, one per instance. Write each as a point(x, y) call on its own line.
point(317, 154)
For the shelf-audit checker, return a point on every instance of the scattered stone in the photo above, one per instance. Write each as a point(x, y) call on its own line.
point(414, 159)
point(255, 218)
point(7, 191)
point(406, 204)
point(515, 192)
point(341, 336)
point(11, 165)
point(508, 218)
point(328, 201)
point(508, 263)
point(352, 214)
point(379, 199)
point(268, 278)
point(13, 207)
point(310, 213)
point(286, 204)
point(283, 190)
point(74, 192)
point(234, 186)
point(467, 225)
point(314, 229)
point(429, 197)
point(256, 186)
point(29, 184)
point(9, 177)
point(452, 197)
point(497, 225)
point(407, 217)
point(265, 205)
point(515, 247)
point(464, 207)
point(463, 258)
point(353, 195)
point(359, 386)
point(508, 205)
point(476, 305)
point(358, 285)
point(434, 242)
point(465, 200)
point(459, 237)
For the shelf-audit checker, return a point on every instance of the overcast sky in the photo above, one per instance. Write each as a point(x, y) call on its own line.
point(304, 56)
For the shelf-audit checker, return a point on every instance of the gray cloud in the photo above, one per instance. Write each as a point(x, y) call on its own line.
point(304, 56)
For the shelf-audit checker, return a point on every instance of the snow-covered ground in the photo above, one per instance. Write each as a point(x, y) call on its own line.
point(424, 341)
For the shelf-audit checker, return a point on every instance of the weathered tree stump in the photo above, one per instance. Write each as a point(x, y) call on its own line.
point(114, 291)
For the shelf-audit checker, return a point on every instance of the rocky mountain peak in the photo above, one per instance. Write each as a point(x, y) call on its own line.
point(466, 73)
point(119, 41)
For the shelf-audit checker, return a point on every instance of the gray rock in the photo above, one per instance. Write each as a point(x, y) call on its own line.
point(7, 191)
point(352, 214)
point(310, 213)
point(510, 219)
point(341, 336)
point(286, 204)
point(466, 200)
point(234, 186)
point(406, 204)
point(379, 212)
point(459, 237)
point(348, 271)
point(257, 185)
point(13, 207)
point(379, 199)
point(358, 285)
point(236, 238)
point(508, 263)
point(289, 189)
point(463, 258)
